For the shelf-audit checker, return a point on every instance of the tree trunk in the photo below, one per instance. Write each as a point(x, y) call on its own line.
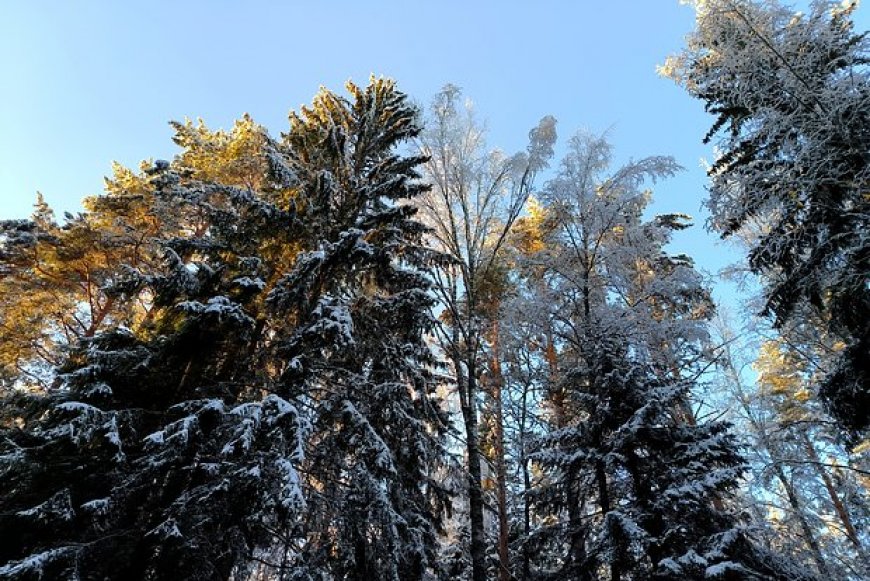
point(497, 386)
point(805, 527)
point(839, 507)
point(527, 486)
point(475, 492)
point(557, 395)
point(604, 504)
point(98, 316)
point(501, 492)
point(577, 534)
point(793, 500)
point(360, 559)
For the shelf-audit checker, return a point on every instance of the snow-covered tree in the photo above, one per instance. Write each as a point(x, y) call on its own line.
point(164, 453)
point(476, 196)
point(803, 485)
point(274, 414)
point(57, 281)
point(636, 486)
point(791, 97)
point(56, 278)
point(360, 300)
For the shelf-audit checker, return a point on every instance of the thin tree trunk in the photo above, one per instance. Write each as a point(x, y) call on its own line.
point(604, 504)
point(839, 507)
point(577, 534)
point(805, 527)
point(527, 486)
point(98, 317)
point(475, 492)
point(793, 500)
point(557, 395)
point(360, 564)
point(501, 493)
point(497, 386)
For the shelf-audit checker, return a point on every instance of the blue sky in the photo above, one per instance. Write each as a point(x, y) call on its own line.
point(86, 82)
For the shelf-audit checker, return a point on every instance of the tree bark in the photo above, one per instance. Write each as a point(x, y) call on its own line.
point(604, 505)
point(805, 527)
point(577, 534)
point(475, 492)
point(360, 559)
point(527, 486)
point(496, 387)
point(839, 507)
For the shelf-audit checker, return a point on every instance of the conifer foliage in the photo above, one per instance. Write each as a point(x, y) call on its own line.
point(634, 484)
point(318, 356)
point(272, 413)
point(791, 96)
point(359, 299)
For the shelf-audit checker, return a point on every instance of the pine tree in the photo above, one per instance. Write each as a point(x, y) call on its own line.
point(57, 279)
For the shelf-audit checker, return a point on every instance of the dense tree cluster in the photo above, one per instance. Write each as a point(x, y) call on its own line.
point(262, 401)
point(377, 348)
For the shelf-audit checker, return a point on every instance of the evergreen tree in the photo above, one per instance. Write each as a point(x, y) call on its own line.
point(56, 279)
point(274, 414)
point(790, 96)
point(636, 484)
point(359, 297)
point(163, 450)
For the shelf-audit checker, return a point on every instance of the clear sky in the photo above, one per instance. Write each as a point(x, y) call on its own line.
point(85, 82)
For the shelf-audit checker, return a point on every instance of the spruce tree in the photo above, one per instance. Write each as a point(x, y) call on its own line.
point(165, 453)
point(789, 92)
point(636, 487)
point(274, 412)
point(359, 297)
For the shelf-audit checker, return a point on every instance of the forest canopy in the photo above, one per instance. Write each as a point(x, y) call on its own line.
point(377, 347)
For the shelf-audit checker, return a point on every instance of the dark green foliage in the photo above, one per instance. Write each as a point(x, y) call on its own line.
point(273, 411)
point(361, 304)
point(167, 459)
point(633, 485)
point(790, 95)
point(641, 486)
